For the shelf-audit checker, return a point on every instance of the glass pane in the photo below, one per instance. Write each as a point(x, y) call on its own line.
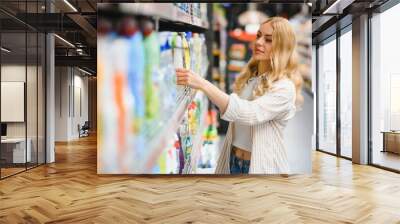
point(346, 94)
point(41, 99)
point(314, 88)
point(13, 87)
point(31, 97)
point(327, 97)
point(386, 89)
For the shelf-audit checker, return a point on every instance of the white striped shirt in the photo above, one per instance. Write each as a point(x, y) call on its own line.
point(241, 136)
point(267, 115)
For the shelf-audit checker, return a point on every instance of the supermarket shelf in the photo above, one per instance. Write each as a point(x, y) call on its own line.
point(304, 41)
point(167, 129)
point(166, 133)
point(158, 133)
point(304, 52)
point(198, 140)
point(163, 11)
point(198, 144)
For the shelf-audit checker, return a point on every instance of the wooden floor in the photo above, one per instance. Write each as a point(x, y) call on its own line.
point(70, 191)
point(10, 171)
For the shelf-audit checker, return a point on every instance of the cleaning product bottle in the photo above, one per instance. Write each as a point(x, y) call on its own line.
point(180, 158)
point(135, 79)
point(167, 76)
point(191, 41)
point(135, 70)
point(186, 55)
point(108, 158)
point(196, 56)
point(186, 50)
point(170, 71)
point(152, 60)
point(123, 99)
point(176, 44)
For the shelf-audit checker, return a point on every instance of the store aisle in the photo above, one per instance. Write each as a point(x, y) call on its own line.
point(71, 191)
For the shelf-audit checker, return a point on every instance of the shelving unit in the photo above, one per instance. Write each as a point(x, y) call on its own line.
point(158, 135)
point(163, 11)
point(160, 141)
point(198, 140)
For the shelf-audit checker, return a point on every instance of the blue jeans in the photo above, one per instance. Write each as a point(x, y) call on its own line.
point(238, 166)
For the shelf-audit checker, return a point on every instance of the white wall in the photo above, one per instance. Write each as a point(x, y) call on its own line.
point(33, 127)
point(80, 84)
point(62, 82)
point(12, 73)
point(71, 92)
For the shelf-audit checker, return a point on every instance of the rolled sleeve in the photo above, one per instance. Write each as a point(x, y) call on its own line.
point(231, 109)
point(273, 105)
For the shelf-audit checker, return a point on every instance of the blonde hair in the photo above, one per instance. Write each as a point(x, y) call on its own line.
point(283, 61)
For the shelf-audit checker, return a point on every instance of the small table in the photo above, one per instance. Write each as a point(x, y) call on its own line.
point(18, 149)
point(391, 141)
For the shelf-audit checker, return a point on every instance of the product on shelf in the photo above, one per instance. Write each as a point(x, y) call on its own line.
point(177, 51)
point(209, 151)
point(195, 51)
point(181, 156)
point(236, 65)
point(167, 77)
point(203, 55)
point(186, 50)
point(152, 60)
point(135, 74)
point(191, 46)
point(237, 51)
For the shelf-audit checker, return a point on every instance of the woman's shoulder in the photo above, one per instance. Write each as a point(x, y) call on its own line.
point(284, 84)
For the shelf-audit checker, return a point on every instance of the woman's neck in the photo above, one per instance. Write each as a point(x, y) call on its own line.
point(263, 67)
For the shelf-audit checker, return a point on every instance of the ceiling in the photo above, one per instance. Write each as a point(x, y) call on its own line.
point(76, 24)
point(331, 15)
point(79, 27)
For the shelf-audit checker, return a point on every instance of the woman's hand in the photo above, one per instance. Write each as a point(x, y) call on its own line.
point(218, 97)
point(186, 77)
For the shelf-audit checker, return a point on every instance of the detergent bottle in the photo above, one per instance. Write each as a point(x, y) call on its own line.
point(152, 61)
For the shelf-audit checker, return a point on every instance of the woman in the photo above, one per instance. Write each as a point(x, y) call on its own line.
point(263, 101)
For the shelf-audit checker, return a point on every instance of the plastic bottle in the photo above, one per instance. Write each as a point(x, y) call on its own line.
point(135, 84)
point(177, 50)
point(136, 71)
point(190, 39)
point(168, 88)
point(108, 161)
point(152, 60)
point(123, 100)
point(181, 157)
point(186, 51)
point(196, 56)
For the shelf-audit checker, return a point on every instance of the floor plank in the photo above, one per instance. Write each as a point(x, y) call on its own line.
point(70, 191)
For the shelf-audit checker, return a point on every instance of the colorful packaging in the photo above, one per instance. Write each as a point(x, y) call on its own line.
point(168, 87)
point(196, 54)
point(152, 61)
point(186, 51)
point(136, 66)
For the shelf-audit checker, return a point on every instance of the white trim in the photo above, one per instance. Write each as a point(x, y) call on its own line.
point(64, 40)
point(70, 5)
